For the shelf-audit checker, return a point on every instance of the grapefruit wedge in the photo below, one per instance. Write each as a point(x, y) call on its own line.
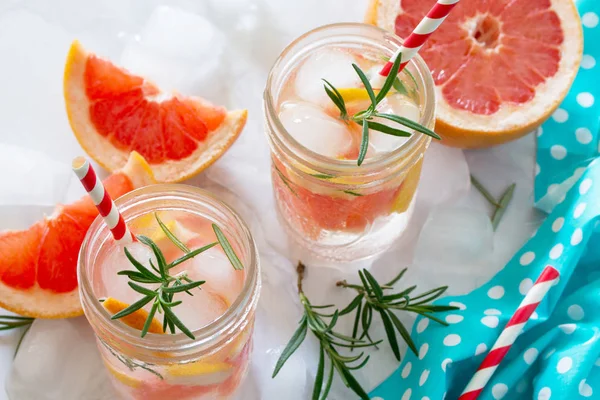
point(113, 112)
point(38, 272)
point(500, 67)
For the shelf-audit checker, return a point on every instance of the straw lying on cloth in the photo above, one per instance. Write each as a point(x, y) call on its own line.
point(511, 332)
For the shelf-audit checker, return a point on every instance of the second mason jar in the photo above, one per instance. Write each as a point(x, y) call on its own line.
point(220, 314)
point(333, 207)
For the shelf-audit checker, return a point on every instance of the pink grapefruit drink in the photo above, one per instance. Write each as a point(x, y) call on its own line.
point(220, 314)
point(328, 203)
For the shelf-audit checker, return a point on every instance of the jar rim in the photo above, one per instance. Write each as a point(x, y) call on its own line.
point(324, 164)
point(207, 337)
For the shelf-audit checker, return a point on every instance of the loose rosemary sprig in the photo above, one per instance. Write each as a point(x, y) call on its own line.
point(330, 359)
point(8, 322)
point(168, 285)
point(373, 298)
point(501, 205)
point(365, 118)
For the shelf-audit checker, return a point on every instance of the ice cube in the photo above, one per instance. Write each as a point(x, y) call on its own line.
point(315, 130)
point(200, 309)
point(398, 105)
point(214, 267)
point(455, 242)
point(333, 65)
point(180, 51)
point(116, 286)
point(35, 375)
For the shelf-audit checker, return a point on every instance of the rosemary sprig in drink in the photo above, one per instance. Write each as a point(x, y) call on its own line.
point(373, 298)
point(330, 360)
point(366, 117)
point(168, 285)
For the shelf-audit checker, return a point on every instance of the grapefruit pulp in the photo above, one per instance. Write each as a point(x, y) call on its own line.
point(500, 67)
point(113, 112)
point(38, 273)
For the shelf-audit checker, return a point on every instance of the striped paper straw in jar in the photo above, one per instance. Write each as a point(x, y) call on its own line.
point(413, 43)
point(100, 197)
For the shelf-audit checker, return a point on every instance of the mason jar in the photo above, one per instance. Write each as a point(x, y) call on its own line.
point(172, 366)
point(332, 207)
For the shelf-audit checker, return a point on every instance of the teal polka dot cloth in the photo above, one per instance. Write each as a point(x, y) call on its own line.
point(558, 354)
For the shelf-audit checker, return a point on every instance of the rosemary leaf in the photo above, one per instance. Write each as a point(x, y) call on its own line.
point(351, 193)
point(336, 97)
point(141, 289)
point(170, 235)
point(374, 284)
point(503, 205)
point(398, 85)
point(327, 388)
point(484, 192)
point(226, 246)
point(391, 333)
point(143, 270)
point(133, 307)
point(183, 287)
point(364, 144)
point(397, 278)
point(353, 304)
point(292, 346)
point(404, 333)
point(149, 319)
point(387, 85)
point(388, 129)
point(367, 85)
point(410, 124)
point(177, 322)
point(320, 374)
point(191, 254)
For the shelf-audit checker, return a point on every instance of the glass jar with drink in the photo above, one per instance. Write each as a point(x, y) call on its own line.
point(196, 263)
point(346, 190)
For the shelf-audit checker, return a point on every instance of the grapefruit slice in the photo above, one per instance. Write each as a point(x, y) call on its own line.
point(113, 112)
point(500, 67)
point(38, 272)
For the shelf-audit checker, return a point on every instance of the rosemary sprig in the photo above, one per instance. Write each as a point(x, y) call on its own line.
point(501, 205)
point(168, 285)
point(8, 322)
point(330, 360)
point(373, 297)
point(365, 118)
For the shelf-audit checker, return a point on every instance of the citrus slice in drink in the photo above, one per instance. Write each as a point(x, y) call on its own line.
point(38, 272)
point(500, 67)
point(113, 112)
point(136, 319)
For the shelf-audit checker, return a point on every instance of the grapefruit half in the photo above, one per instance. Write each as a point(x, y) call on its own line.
point(38, 272)
point(113, 112)
point(500, 67)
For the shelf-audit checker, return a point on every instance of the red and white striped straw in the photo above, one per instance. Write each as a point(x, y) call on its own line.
point(105, 205)
point(510, 333)
point(413, 43)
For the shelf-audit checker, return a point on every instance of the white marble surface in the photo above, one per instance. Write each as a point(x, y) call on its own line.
point(57, 359)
